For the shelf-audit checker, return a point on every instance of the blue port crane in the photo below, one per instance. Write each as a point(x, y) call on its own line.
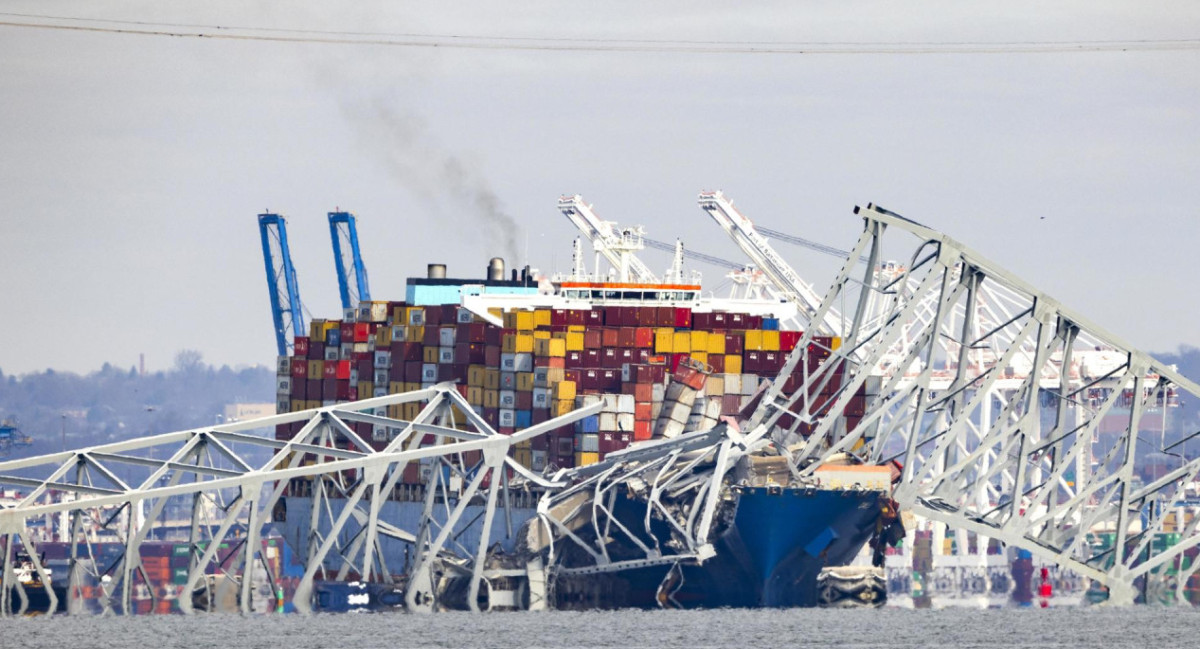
point(346, 255)
point(281, 281)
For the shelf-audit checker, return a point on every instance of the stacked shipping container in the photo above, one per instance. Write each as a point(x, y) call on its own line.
point(542, 363)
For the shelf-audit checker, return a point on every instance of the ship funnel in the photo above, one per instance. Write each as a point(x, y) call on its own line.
point(437, 271)
point(495, 269)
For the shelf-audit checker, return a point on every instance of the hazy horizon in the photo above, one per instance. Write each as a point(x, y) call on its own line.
point(136, 164)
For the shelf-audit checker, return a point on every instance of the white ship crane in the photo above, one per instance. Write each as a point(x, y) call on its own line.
point(755, 246)
point(618, 246)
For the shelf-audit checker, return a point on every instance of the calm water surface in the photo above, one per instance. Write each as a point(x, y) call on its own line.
point(1166, 628)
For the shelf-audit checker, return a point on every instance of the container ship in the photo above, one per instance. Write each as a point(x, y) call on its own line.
point(664, 361)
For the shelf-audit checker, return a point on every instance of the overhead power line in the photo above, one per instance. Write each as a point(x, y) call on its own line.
point(562, 44)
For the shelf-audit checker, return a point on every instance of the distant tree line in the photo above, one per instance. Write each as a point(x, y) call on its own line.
point(113, 404)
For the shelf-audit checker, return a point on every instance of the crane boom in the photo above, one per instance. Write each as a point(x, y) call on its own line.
point(617, 246)
point(791, 286)
point(281, 281)
point(344, 234)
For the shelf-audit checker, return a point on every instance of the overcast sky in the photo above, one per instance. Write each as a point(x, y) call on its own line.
point(133, 166)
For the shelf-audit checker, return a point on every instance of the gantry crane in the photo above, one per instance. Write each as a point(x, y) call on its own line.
point(344, 234)
point(792, 287)
point(619, 247)
point(286, 310)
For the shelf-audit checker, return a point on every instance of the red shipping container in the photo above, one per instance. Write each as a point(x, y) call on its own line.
point(316, 350)
point(752, 363)
point(773, 361)
point(474, 332)
point(754, 322)
point(410, 351)
point(299, 368)
point(462, 389)
point(590, 379)
point(491, 355)
point(593, 339)
point(540, 415)
point(492, 416)
point(341, 389)
point(550, 361)
point(452, 372)
point(346, 332)
point(363, 331)
point(718, 322)
point(524, 401)
point(609, 357)
point(559, 317)
point(717, 363)
point(330, 370)
point(574, 360)
point(610, 337)
point(433, 336)
point(643, 337)
point(352, 395)
point(341, 370)
point(736, 321)
point(664, 316)
point(572, 375)
point(642, 430)
point(300, 346)
point(788, 340)
point(642, 410)
point(470, 353)
point(591, 358)
point(433, 316)
point(610, 380)
point(412, 372)
point(299, 390)
point(627, 336)
point(734, 344)
point(592, 317)
point(396, 371)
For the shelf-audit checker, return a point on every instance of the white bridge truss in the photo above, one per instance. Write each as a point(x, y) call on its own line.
point(990, 394)
point(213, 472)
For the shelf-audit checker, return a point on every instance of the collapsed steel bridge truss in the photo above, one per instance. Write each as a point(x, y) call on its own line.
point(991, 395)
point(231, 480)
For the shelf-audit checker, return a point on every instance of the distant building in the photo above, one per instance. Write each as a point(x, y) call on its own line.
point(244, 411)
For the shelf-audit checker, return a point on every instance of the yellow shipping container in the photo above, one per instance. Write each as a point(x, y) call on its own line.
point(475, 375)
point(475, 396)
point(429, 354)
point(576, 329)
point(584, 459)
point(491, 398)
point(524, 381)
point(316, 369)
point(564, 390)
point(396, 411)
point(699, 356)
point(523, 456)
point(699, 341)
point(412, 387)
point(837, 342)
point(524, 344)
point(366, 389)
point(383, 336)
point(414, 315)
point(415, 333)
point(541, 318)
point(733, 364)
point(754, 340)
point(491, 379)
point(298, 405)
point(395, 387)
point(716, 343)
point(574, 341)
point(542, 334)
point(522, 320)
point(682, 342)
point(563, 406)
point(664, 341)
point(770, 341)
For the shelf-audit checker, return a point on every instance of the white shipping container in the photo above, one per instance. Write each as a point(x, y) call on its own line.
point(445, 355)
point(463, 316)
point(625, 422)
point(712, 410)
point(541, 397)
point(610, 403)
point(282, 406)
point(508, 362)
point(584, 400)
point(749, 384)
point(608, 421)
point(383, 360)
point(508, 381)
point(508, 399)
point(332, 354)
point(284, 366)
point(349, 314)
point(732, 383)
point(658, 392)
point(380, 392)
point(676, 411)
point(429, 373)
point(588, 442)
point(381, 377)
point(680, 393)
point(379, 433)
point(399, 333)
point(669, 428)
point(626, 404)
point(508, 418)
point(447, 336)
point(523, 362)
point(715, 386)
point(283, 385)
point(539, 461)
